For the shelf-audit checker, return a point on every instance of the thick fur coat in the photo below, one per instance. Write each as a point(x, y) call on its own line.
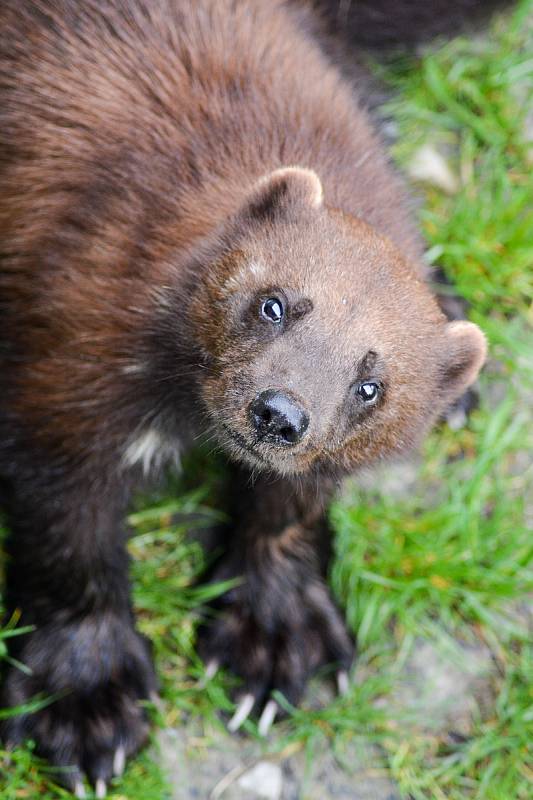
point(200, 236)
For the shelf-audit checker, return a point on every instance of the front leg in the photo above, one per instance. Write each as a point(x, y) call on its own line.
point(280, 624)
point(68, 578)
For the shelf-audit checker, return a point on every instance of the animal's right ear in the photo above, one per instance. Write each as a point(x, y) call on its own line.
point(282, 193)
point(465, 354)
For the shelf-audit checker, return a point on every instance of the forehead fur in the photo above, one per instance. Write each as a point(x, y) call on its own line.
point(354, 277)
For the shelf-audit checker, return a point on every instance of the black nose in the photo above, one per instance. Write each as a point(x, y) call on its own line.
point(278, 418)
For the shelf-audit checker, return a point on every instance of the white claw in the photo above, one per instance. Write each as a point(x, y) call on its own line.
point(119, 762)
point(79, 790)
point(242, 713)
point(156, 701)
point(267, 717)
point(211, 669)
point(100, 789)
point(210, 672)
point(343, 682)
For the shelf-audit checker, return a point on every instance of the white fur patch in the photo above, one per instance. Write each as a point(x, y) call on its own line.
point(132, 369)
point(256, 268)
point(235, 282)
point(150, 450)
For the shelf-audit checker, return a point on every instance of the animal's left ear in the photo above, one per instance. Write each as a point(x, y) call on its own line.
point(465, 351)
point(284, 192)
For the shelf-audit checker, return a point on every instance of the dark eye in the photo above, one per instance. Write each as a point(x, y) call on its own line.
point(272, 310)
point(368, 391)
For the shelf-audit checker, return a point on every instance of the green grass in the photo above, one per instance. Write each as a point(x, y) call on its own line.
point(451, 562)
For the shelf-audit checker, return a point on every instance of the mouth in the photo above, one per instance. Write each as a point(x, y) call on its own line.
point(243, 443)
point(282, 463)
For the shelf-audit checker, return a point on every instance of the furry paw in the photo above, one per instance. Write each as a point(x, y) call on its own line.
point(95, 673)
point(275, 641)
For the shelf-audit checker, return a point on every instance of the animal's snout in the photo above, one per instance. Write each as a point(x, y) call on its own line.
point(278, 418)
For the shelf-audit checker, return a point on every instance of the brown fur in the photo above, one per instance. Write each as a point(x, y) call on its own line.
point(165, 167)
point(87, 188)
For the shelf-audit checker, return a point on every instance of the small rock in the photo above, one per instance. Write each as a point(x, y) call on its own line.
point(264, 780)
point(430, 166)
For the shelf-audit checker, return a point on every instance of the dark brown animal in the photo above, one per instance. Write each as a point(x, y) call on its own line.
point(200, 235)
point(379, 24)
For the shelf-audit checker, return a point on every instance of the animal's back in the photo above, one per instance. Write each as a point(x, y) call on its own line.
point(184, 99)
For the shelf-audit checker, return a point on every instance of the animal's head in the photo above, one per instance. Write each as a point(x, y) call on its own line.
point(320, 345)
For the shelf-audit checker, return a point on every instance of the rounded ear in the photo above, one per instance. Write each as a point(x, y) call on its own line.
point(464, 355)
point(283, 191)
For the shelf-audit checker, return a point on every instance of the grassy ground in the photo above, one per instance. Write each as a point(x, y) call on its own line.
point(449, 562)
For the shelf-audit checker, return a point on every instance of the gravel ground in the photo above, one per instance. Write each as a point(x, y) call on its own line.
point(442, 687)
point(235, 768)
